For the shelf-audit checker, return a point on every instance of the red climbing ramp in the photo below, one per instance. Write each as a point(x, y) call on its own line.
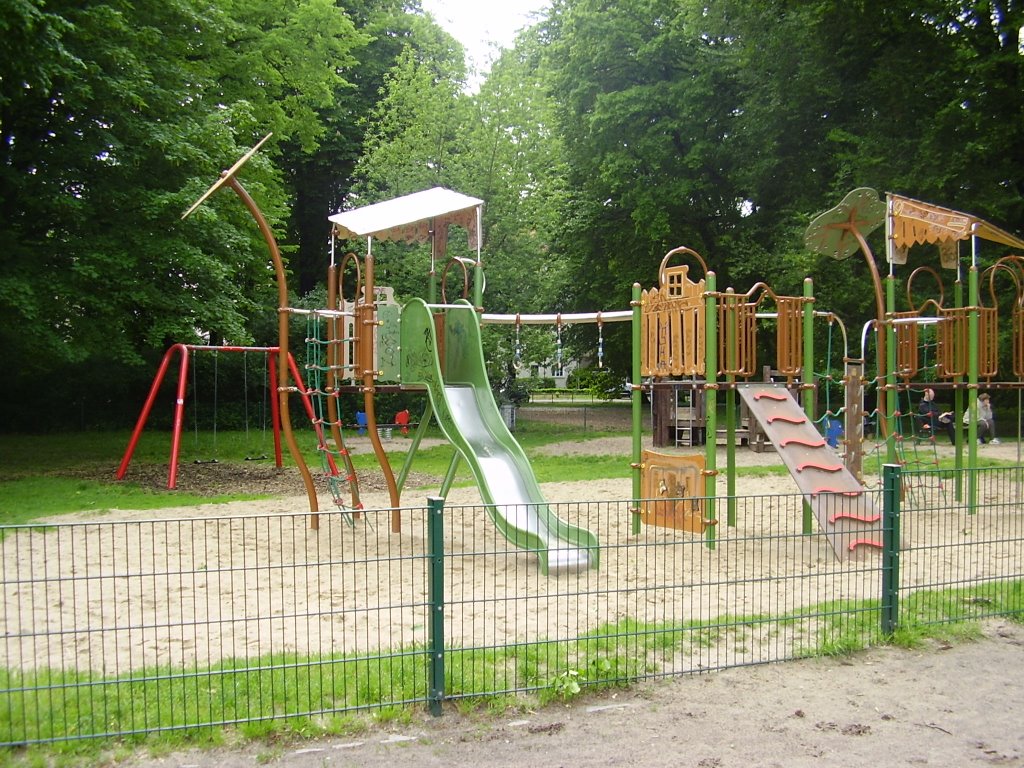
point(844, 511)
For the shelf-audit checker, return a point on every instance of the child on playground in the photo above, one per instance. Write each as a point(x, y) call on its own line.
point(932, 418)
point(986, 422)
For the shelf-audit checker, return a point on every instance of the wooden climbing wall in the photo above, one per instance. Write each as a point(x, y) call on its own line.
point(673, 491)
point(672, 326)
point(954, 342)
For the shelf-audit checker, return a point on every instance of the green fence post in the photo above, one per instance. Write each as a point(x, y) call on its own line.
point(711, 405)
point(810, 392)
point(731, 331)
point(890, 547)
point(636, 404)
point(435, 587)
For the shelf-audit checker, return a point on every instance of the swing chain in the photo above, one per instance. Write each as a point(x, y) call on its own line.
point(517, 355)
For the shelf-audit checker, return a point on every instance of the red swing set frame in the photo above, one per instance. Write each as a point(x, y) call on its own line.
point(183, 350)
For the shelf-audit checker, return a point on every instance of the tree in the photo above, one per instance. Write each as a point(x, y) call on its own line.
point(320, 180)
point(108, 132)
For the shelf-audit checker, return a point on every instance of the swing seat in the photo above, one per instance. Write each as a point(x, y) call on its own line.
point(402, 421)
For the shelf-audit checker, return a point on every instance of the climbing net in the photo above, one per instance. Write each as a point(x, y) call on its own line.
point(324, 368)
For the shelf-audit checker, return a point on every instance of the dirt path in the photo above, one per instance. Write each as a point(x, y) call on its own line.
point(938, 706)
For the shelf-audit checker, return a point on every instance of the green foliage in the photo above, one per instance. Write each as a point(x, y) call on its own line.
point(607, 135)
point(725, 127)
point(600, 382)
point(114, 118)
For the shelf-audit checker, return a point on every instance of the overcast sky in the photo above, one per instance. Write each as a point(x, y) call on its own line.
point(480, 24)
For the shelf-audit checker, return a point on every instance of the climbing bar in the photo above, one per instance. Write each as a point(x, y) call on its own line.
point(621, 316)
point(864, 543)
point(317, 312)
point(788, 419)
point(802, 441)
point(819, 466)
point(776, 396)
point(858, 518)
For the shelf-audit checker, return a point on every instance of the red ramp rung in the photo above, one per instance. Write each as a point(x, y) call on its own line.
point(850, 516)
point(802, 441)
point(865, 543)
point(788, 419)
point(776, 396)
point(836, 491)
point(818, 465)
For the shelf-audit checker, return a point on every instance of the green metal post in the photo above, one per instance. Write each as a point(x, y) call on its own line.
point(435, 587)
point(710, 405)
point(972, 387)
point(417, 438)
point(478, 285)
point(636, 403)
point(731, 345)
point(449, 477)
point(958, 405)
point(432, 277)
point(810, 393)
point(891, 403)
point(890, 548)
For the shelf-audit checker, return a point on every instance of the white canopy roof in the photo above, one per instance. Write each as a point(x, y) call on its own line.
point(409, 217)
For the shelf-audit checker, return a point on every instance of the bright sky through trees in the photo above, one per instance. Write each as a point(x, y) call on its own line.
point(480, 25)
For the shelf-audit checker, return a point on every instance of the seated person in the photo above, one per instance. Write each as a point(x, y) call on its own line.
point(983, 412)
point(932, 419)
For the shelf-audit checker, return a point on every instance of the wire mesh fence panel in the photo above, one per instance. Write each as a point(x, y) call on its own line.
point(139, 626)
point(661, 602)
point(133, 626)
point(965, 557)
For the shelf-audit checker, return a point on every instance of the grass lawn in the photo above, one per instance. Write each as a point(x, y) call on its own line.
point(43, 475)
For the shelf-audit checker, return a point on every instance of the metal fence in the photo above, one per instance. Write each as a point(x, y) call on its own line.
point(135, 626)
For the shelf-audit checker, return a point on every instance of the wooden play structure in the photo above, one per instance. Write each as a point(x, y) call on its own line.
point(703, 341)
point(709, 340)
point(691, 342)
point(966, 328)
point(674, 352)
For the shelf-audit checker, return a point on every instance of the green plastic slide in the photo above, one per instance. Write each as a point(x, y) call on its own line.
point(456, 380)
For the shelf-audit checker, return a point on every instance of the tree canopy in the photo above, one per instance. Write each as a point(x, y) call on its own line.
point(608, 134)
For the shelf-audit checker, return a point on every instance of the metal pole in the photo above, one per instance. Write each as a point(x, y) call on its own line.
point(711, 406)
point(890, 547)
point(421, 431)
point(809, 392)
point(972, 380)
point(478, 267)
point(637, 406)
point(958, 396)
point(731, 349)
point(282, 343)
point(144, 414)
point(435, 587)
point(449, 477)
point(888, 332)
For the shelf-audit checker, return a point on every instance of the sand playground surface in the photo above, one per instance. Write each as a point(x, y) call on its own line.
point(196, 585)
point(944, 705)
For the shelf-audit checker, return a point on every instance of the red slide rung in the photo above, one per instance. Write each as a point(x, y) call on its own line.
point(802, 441)
point(788, 419)
point(865, 543)
point(858, 518)
point(836, 491)
point(776, 396)
point(817, 465)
